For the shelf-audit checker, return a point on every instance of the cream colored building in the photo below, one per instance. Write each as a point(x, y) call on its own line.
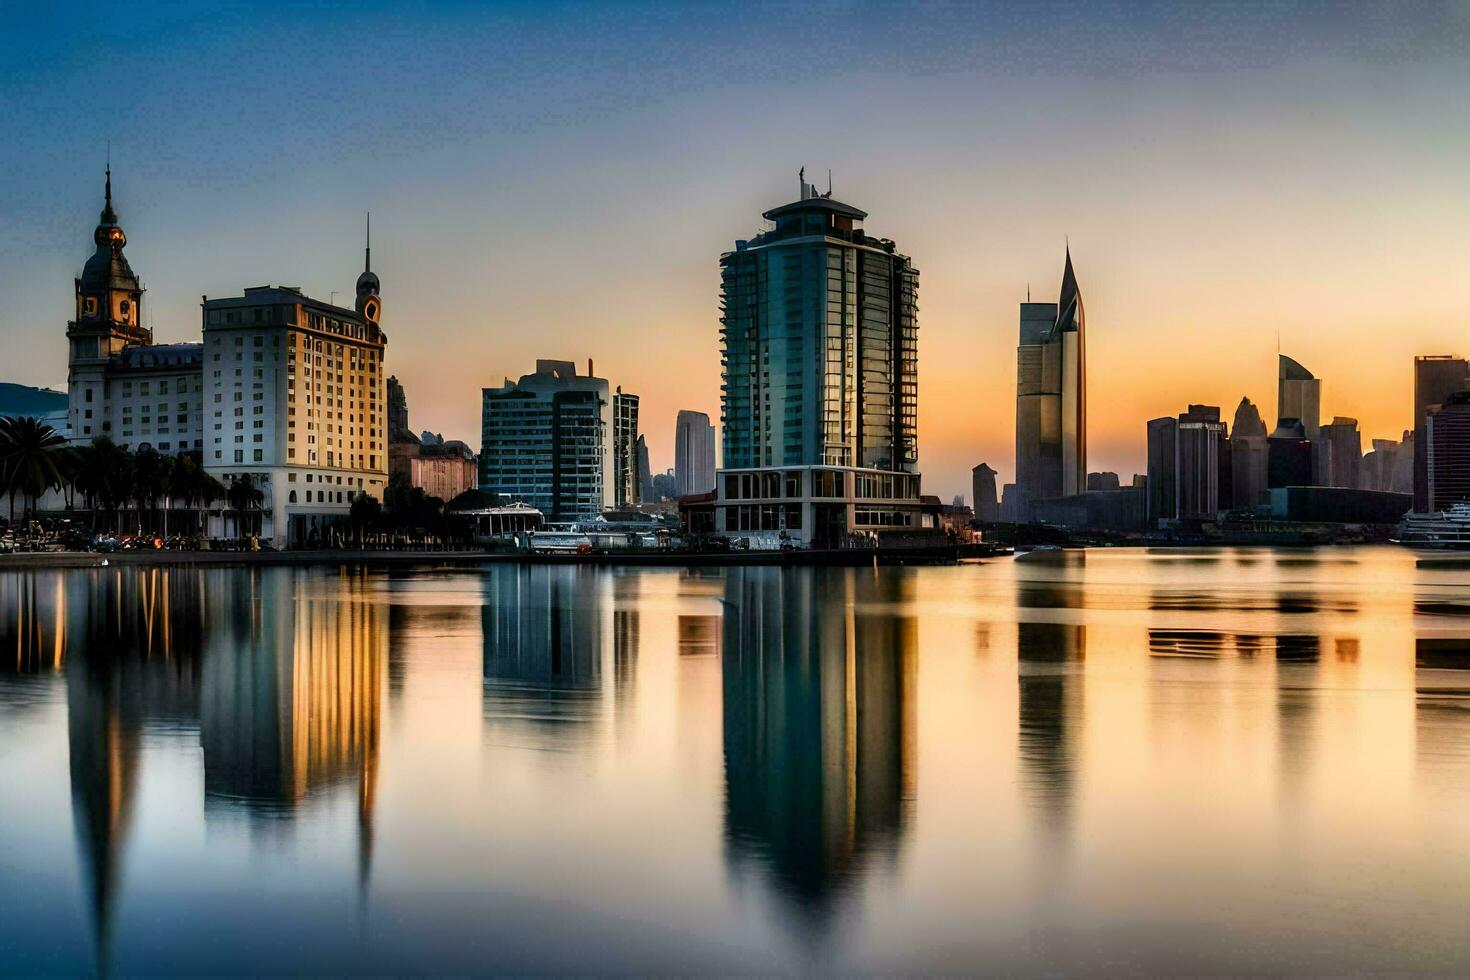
point(285, 389)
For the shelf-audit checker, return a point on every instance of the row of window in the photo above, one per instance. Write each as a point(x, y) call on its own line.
point(763, 517)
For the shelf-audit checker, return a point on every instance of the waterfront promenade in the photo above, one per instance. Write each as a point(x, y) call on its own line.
point(834, 558)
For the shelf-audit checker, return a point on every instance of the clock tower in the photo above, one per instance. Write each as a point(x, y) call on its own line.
point(369, 303)
point(109, 317)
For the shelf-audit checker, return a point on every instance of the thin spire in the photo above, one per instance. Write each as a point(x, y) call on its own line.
point(829, 181)
point(109, 216)
point(367, 258)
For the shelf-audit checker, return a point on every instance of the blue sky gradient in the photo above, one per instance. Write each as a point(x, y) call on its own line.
point(558, 180)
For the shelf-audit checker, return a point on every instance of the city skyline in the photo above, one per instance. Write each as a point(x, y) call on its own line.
point(1182, 235)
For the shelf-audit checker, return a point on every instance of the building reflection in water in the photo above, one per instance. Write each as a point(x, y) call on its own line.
point(544, 635)
point(819, 682)
point(292, 695)
point(1049, 651)
point(627, 630)
point(699, 635)
point(281, 681)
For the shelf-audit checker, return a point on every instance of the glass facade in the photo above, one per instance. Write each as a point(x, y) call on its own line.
point(820, 335)
point(1051, 398)
point(547, 441)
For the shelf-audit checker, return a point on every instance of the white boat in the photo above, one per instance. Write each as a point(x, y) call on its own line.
point(558, 541)
point(1447, 529)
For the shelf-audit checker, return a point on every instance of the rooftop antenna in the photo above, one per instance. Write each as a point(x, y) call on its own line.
point(829, 181)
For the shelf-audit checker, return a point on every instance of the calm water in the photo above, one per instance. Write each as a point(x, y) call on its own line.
point(1228, 760)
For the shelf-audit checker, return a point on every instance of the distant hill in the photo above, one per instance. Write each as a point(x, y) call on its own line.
point(25, 400)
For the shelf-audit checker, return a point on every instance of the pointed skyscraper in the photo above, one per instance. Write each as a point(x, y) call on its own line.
point(1051, 397)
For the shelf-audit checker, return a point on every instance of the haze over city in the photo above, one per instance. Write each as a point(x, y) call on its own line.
point(560, 182)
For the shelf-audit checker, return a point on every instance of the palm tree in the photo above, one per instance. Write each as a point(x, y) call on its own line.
point(365, 515)
point(34, 459)
point(196, 488)
point(149, 476)
point(243, 496)
point(105, 477)
point(168, 486)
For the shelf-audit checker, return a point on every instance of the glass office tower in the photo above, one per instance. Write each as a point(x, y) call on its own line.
point(820, 360)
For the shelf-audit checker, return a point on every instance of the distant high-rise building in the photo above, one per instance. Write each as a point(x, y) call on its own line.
point(1436, 378)
point(1051, 396)
point(1010, 505)
point(547, 440)
point(1248, 456)
point(625, 448)
point(1289, 456)
point(1198, 445)
point(398, 429)
point(1298, 395)
point(1339, 453)
point(1162, 436)
point(664, 486)
point(982, 489)
point(820, 379)
point(1403, 464)
point(694, 453)
point(1103, 481)
point(1447, 435)
point(645, 474)
point(403, 445)
point(1389, 466)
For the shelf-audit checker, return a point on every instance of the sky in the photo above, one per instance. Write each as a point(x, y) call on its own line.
point(559, 180)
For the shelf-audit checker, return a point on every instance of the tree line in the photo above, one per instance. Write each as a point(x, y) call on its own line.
point(111, 481)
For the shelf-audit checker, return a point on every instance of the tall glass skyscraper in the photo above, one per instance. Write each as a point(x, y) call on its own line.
point(820, 364)
point(1051, 397)
point(821, 343)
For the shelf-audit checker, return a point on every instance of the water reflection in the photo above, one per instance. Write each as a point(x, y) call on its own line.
point(666, 770)
point(280, 687)
point(544, 634)
point(1049, 649)
point(819, 681)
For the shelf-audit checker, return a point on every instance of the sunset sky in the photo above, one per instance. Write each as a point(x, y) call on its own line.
point(558, 180)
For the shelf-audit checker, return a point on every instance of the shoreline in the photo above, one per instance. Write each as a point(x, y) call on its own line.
point(850, 558)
